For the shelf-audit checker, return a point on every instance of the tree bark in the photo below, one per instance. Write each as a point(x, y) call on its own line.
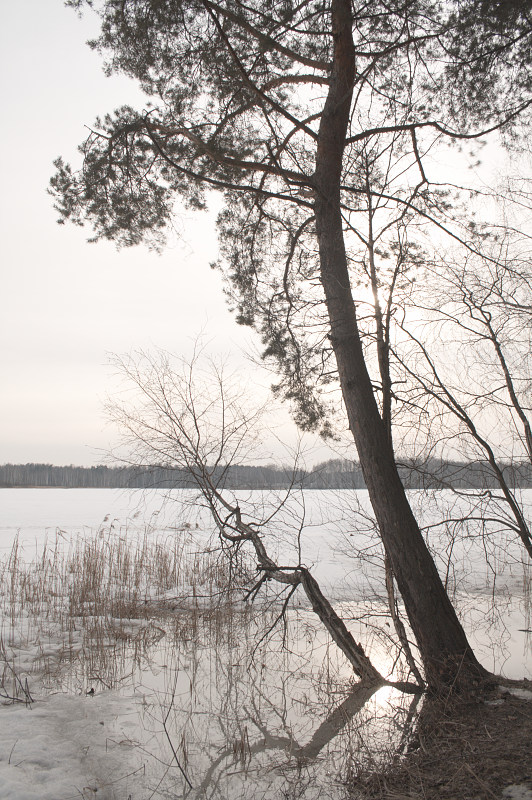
point(332, 622)
point(447, 656)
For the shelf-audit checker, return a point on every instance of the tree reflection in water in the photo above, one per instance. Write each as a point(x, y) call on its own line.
point(268, 722)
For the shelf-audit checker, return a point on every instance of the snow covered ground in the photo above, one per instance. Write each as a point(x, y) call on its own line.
point(68, 746)
point(186, 704)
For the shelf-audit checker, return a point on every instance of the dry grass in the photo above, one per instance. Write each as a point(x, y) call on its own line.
point(98, 603)
point(107, 574)
point(464, 751)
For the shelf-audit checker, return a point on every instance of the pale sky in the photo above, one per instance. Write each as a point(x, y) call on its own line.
point(67, 304)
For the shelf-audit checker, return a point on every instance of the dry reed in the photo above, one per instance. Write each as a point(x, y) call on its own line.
point(96, 601)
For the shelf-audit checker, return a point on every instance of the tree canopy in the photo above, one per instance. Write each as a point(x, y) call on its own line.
point(317, 120)
point(236, 104)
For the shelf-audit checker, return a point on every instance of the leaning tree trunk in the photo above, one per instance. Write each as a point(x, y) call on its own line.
point(443, 645)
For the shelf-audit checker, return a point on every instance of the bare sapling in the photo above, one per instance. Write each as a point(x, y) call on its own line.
point(194, 420)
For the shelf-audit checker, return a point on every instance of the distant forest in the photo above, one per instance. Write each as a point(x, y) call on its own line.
point(334, 474)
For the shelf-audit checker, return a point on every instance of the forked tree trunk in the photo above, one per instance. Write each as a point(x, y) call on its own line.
point(442, 642)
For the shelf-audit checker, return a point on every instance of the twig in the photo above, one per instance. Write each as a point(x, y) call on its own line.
point(167, 734)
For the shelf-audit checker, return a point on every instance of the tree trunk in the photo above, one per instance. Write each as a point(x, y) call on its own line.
point(446, 654)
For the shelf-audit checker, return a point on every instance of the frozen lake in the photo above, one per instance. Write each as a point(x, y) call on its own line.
point(220, 703)
point(337, 528)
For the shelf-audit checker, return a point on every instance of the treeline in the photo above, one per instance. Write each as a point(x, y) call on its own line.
point(333, 474)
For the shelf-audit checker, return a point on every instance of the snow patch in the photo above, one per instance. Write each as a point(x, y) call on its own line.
point(517, 792)
point(65, 746)
point(522, 694)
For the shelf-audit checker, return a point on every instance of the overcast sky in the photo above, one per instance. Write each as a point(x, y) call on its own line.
point(67, 304)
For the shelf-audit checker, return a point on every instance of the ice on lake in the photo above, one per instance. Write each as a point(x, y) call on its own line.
point(213, 699)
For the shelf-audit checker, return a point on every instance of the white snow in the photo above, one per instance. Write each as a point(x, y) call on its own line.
point(517, 792)
point(522, 694)
point(67, 746)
